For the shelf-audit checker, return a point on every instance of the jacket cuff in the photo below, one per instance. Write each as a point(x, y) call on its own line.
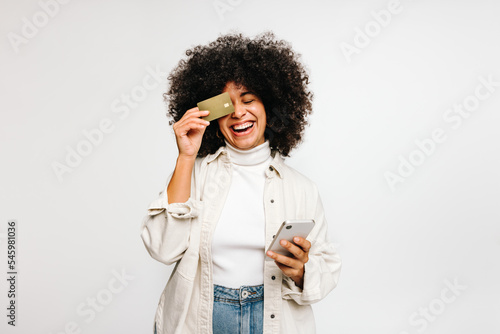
point(188, 209)
point(310, 292)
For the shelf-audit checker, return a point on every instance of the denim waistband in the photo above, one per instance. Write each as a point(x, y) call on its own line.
point(245, 294)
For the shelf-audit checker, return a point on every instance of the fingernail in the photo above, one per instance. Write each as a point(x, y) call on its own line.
point(283, 242)
point(296, 239)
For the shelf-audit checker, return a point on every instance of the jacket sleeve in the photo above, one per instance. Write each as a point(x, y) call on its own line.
point(322, 271)
point(166, 228)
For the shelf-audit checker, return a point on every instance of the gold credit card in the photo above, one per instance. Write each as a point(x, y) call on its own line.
point(219, 106)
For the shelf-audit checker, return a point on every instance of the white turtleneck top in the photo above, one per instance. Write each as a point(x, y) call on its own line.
point(238, 243)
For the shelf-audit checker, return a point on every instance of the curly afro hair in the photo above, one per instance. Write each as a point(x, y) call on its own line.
point(264, 65)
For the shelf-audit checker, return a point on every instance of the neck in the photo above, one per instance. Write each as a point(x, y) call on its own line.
point(253, 156)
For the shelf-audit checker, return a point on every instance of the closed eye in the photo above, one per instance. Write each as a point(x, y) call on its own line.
point(248, 102)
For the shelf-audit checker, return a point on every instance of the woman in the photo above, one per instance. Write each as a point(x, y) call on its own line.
point(231, 190)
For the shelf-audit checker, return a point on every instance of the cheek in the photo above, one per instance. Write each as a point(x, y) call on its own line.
point(263, 118)
point(223, 120)
point(261, 114)
point(221, 123)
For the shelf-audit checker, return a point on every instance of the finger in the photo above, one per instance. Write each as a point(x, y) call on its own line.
point(187, 121)
point(296, 251)
point(285, 260)
point(290, 272)
point(197, 121)
point(195, 112)
point(183, 127)
point(303, 243)
point(190, 122)
point(190, 111)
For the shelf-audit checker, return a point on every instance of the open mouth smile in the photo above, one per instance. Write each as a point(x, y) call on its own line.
point(242, 129)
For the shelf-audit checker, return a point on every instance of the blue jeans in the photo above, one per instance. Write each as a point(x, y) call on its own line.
point(238, 311)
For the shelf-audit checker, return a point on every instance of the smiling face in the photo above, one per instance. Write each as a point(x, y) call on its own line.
point(245, 128)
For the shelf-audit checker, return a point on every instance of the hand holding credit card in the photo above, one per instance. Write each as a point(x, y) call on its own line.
point(219, 106)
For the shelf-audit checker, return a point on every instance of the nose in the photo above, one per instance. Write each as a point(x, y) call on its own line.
point(239, 111)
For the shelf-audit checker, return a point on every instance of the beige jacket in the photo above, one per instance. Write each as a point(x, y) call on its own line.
point(181, 234)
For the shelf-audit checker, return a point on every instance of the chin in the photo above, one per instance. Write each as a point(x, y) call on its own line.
point(241, 144)
point(244, 144)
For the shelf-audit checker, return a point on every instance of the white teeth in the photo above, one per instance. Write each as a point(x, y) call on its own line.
point(242, 126)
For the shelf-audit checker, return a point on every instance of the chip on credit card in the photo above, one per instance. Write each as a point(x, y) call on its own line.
point(219, 106)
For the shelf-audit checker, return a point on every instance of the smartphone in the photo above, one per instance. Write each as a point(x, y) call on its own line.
point(288, 230)
point(219, 106)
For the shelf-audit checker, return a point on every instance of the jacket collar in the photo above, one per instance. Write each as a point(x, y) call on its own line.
point(277, 165)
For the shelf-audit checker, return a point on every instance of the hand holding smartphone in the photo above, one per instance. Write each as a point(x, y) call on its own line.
point(287, 231)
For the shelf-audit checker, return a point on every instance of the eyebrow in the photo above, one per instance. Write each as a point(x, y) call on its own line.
point(246, 93)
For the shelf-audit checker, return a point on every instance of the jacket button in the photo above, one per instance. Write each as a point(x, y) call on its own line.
point(273, 278)
point(272, 201)
point(272, 316)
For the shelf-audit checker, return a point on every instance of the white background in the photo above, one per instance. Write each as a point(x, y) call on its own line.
point(399, 246)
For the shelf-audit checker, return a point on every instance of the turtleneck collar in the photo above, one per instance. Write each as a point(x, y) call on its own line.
point(253, 156)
